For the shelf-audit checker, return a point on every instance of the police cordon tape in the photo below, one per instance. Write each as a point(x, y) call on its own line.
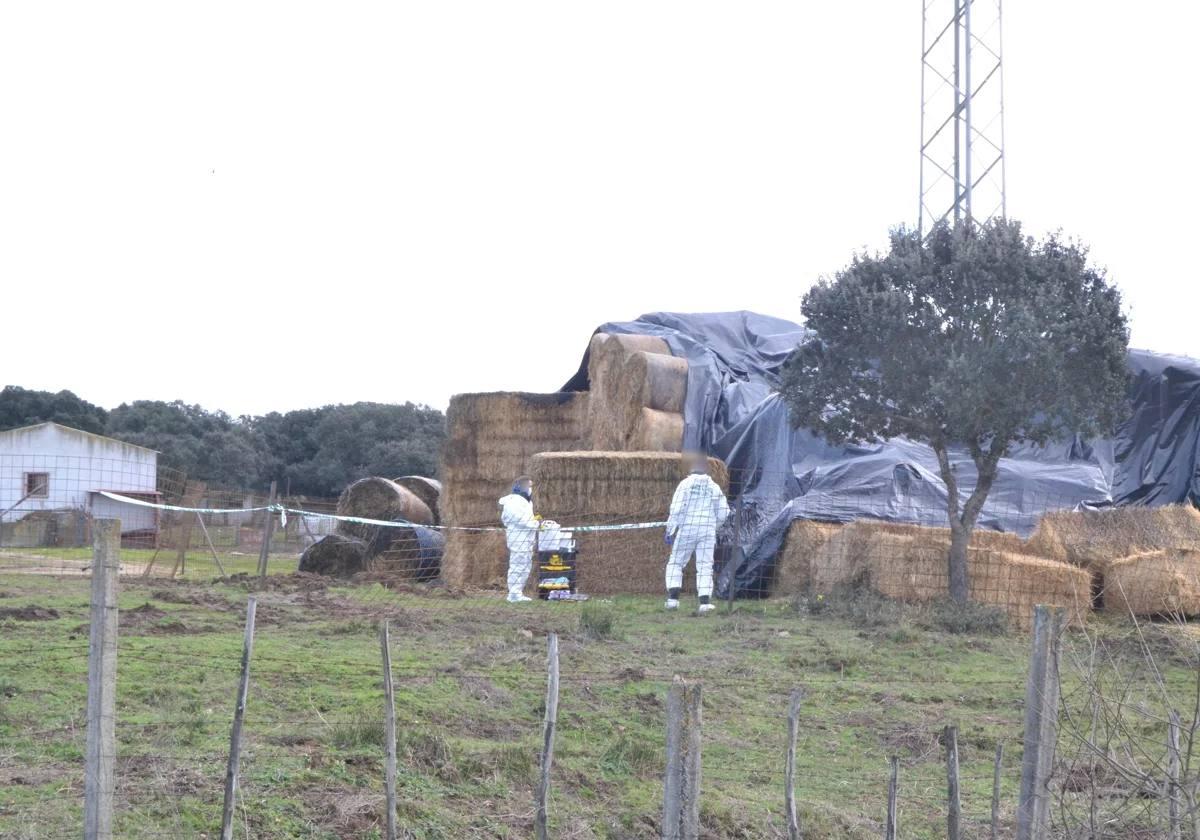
point(360, 520)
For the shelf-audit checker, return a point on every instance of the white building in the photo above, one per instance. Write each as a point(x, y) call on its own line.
point(49, 467)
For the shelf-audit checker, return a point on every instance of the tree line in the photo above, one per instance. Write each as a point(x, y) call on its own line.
point(313, 451)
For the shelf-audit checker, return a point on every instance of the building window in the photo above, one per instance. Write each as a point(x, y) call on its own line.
point(37, 485)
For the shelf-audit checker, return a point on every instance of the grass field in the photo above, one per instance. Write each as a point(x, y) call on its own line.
point(470, 688)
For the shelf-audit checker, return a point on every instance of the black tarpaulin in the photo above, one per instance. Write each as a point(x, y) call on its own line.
point(780, 473)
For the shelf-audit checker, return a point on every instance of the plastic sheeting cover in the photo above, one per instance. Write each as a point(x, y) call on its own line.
point(780, 473)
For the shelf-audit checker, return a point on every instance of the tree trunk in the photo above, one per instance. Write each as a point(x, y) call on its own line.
point(960, 587)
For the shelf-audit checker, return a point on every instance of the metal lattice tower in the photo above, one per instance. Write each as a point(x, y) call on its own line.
point(962, 112)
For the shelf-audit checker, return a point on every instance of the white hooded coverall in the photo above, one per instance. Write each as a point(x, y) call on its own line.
point(698, 509)
point(520, 526)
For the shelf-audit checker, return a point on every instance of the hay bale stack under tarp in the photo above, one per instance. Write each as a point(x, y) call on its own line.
point(909, 563)
point(637, 393)
point(428, 490)
point(1095, 539)
point(408, 553)
point(335, 556)
point(793, 565)
point(1154, 583)
point(490, 440)
point(608, 488)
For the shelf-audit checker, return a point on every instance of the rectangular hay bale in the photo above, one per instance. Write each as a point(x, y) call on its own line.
point(606, 488)
point(1154, 583)
point(909, 563)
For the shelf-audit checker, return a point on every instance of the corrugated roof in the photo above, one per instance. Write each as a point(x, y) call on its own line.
point(75, 431)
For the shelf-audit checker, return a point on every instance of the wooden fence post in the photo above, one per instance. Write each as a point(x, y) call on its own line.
point(954, 812)
point(264, 551)
point(99, 780)
point(681, 795)
point(543, 788)
point(1041, 723)
point(789, 792)
point(235, 736)
point(893, 823)
point(389, 717)
point(996, 791)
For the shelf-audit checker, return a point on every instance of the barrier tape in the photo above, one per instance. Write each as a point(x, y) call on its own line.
point(361, 520)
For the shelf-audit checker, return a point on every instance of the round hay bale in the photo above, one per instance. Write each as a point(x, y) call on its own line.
point(428, 490)
point(654, 381)
point(379, 498)
point(658, 431)
point(411, 553)
point(334, 556)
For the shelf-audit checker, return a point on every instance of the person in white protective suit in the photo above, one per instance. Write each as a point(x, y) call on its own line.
point(698, 509)
point(521, 527)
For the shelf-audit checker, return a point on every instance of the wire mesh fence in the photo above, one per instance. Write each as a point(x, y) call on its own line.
point(816, 590)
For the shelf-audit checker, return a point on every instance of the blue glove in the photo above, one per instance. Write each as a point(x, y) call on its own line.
point(669, 538)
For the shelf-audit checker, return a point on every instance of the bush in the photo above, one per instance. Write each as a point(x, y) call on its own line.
point(864, 607)
point(857, 604)
point(969, 618)
point(598, 622)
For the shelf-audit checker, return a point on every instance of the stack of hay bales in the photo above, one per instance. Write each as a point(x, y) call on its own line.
point(603, 488)
point(411, 551)
point(637, 393)
point(909, 563)
point(1142, 560)
point(491, 439)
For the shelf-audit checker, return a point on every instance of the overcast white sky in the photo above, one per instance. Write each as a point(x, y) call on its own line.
point(268, 206)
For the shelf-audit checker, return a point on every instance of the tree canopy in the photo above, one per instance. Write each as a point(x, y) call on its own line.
point(976, 336)
point(315, 451)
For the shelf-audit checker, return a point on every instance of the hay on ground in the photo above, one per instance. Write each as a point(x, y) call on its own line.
point(379, 498)
point(1154, 583)
point(606, 488)
point(334, 556)
point(909, 563)
point(1096, 539)
point(793, 574)
point(428, 490)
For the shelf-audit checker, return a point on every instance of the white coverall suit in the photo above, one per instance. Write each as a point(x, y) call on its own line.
point(520, 526)
point(698, 509)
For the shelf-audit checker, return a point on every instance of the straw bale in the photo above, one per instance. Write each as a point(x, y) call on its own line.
point(1095, 539)
point(490, 439)
point(1154, 583)
point(793, 565)
point(379, 498)
point(407, 553)
point(475, 559)
point(909, 563)
point(604, 488)
point(656, 381)
point(334, 556)
point(428, 490)
point(627, 375)
point(657, 431)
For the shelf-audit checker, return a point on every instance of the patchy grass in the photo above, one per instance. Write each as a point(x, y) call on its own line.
point(469, 675)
